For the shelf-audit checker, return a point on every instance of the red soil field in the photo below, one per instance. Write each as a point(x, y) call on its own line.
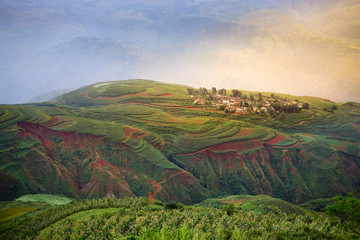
point(132, 132)
point(278, 138)
point(54, 121)
point(157, 187)
point(236, 146)
point(244, 132)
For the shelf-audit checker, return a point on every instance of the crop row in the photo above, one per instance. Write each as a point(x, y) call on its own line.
point(17, 114)
point(150, 222)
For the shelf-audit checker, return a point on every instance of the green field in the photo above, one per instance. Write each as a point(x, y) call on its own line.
point(9, 213)
point(45, 198)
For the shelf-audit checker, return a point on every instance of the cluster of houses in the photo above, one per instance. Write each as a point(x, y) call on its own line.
point(241, 105)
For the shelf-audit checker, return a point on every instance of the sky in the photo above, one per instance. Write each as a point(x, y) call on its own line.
point(285, 46)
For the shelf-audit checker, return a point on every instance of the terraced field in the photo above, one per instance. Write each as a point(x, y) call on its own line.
point(146, 138)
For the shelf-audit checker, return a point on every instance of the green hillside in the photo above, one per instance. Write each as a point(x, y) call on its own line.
point(45, 198)
point(152, 139)
point(258, 204)
point(140, 219)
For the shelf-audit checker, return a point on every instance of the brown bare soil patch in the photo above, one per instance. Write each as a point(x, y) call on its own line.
point(54, 121)
point(278, 138)
point(86, 93)
point(135, 133)
point(157, 187)
point(236, 146)
point(300, 123)
point(244, 132)
point(100, 163)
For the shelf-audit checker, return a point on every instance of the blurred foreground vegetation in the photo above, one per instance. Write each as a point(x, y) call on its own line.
point(140, 219)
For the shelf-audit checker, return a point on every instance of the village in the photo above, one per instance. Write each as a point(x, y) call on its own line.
point(238, 103)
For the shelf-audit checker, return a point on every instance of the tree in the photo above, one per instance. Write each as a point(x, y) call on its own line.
point(171, 205)
point(190, 91)
point(348, 210)
point(222, 91)
point(306, 106)
point(214, 90)
point(235, 93)
point(204, 90)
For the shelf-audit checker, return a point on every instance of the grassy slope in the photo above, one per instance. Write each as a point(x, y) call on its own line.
point(318, 205)
point(29, 203)
point(45, 198)
point(257, 204)
point(140, 219)
point(153, 120)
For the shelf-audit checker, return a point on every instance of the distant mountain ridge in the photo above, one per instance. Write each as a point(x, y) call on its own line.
point(48, 96)
point(312, 46)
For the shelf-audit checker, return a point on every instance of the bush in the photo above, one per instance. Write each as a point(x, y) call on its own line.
point(180, 206)
point(348, 210)
point(159, 203)
point(171, 205)
point(229, 209)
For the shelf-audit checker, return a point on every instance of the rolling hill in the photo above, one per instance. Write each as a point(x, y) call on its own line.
point(148, 138)
point(259, 204)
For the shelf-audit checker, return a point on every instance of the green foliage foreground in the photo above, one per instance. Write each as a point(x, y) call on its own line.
point(348, 210)
point(139, 219)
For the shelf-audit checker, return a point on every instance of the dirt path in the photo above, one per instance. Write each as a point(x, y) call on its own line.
point(356, 127)
point(157, 187)
point(291, 146)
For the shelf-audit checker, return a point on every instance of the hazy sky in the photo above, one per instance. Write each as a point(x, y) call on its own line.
point(287, 46)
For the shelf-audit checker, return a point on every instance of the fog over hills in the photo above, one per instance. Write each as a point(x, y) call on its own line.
point(287, 46)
